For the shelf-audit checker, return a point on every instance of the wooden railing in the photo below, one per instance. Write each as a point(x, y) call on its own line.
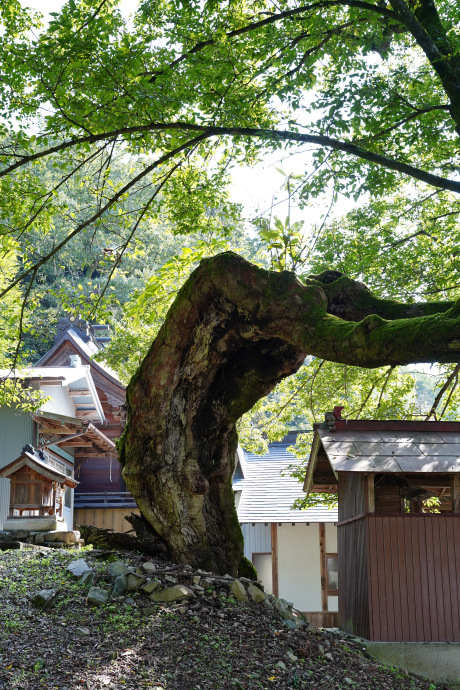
point(104, 499)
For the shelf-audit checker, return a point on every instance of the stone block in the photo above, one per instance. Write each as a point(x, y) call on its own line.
point(151, 587)
point(172, 593)
point(119, 586)
point(78, 567)
point(97, 596)
point(134, 582)
point(117, 568)
point(237, 591)
point(256, 594)
point(45, 598)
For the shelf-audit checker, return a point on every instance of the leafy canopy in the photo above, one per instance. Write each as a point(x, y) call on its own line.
point(369, 89)
point(146, 118)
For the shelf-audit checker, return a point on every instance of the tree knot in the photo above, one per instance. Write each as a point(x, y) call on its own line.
point(371, 323)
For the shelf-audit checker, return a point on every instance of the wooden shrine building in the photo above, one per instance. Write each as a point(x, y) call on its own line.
point(101, 497)
point(399, 561)
point(37, 491)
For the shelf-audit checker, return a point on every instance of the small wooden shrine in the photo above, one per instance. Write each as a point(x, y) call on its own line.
point(398, 486)
point(37, 489)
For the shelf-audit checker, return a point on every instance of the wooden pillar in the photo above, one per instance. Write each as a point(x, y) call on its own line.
point(370, 494)
point(275, 558)
point(455, 492)
point(322, 561)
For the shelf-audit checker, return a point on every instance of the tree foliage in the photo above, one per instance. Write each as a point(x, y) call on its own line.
point(367, 91)
point(370, 90)
point(111, 126)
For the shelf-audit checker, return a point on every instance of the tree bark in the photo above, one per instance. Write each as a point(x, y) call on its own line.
point(234, 331)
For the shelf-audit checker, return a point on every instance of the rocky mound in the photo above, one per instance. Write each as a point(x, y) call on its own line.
point(93, 619)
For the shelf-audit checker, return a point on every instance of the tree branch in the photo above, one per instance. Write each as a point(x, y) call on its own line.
point(438, 398)
point(265, 134)
point(440, 57)
point(102, 210)
point(288, 14)
point(385, 383)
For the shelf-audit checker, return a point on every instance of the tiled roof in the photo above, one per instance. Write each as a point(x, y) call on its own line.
point(267, 496)
point(387, 450)
point(86, 349)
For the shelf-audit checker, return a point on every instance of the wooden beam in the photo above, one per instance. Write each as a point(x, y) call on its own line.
point(50, 382)
point(322, 561)
point(275, 559)
point(55, 430)
point(80, 392)
point(69, 437)
point(75, 444)
point(455, 493)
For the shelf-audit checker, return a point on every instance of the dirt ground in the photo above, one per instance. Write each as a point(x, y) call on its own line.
point(207, 641)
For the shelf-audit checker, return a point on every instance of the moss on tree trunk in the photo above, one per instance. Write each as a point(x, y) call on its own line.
point(234, 331)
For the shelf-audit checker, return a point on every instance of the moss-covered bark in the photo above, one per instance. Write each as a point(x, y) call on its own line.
point(234, 331)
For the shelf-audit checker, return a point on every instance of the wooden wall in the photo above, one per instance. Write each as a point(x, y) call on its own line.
point(352, 542)
point(351, 495)
point(112, 518)
point(414, 577)
point(98, 474)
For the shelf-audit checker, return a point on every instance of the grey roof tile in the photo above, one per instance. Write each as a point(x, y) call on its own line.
point(443, 463)
point(411, 436)
point(440, 448)
point(382, 448)
point(375, 463)
point(267, 496)
point(396, 451)
point(352, 435)
point(447, 437)
point(342, 448)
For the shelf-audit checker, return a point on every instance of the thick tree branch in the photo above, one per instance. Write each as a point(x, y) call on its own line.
point(234, 331)
point(353, 301)
point(426, 28)
point(275, 18)
point(208, 132)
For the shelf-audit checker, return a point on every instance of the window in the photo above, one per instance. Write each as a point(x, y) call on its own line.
point(332, 574)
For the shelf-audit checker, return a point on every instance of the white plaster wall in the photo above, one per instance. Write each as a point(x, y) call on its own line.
point(60, 402)
point(331, 537)
point(299, 573)
point(263, 565)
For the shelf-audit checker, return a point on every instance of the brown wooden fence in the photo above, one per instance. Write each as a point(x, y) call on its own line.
point(412, 589)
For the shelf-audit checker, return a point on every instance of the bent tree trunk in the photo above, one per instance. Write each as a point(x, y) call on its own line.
point(234, 331)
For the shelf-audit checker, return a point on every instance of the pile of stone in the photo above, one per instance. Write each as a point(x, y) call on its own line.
point(17, 539)
point(175, 584)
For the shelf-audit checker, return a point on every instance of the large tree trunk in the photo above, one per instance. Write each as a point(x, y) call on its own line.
point(233, 332)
